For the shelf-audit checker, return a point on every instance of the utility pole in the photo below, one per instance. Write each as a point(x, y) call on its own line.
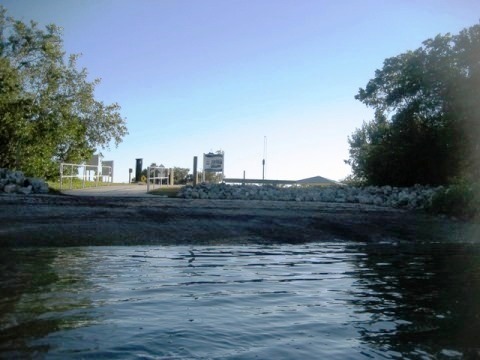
point(264, 156)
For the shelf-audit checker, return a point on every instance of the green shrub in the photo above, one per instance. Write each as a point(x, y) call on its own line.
point(461, 199)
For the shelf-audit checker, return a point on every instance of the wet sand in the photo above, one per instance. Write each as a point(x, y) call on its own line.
point(63, 220)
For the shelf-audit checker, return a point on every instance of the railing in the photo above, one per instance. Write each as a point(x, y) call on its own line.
point(258, 181)
point(156, 173)
point(74, 171)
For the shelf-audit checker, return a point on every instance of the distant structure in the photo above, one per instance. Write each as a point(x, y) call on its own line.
point(95, 170)
point(97, 167)
point(138, 169)
point(313, 181)
point(107, 170)
point(214, 163)
point(316, 181)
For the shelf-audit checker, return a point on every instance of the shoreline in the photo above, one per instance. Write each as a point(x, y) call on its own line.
point(65, 220)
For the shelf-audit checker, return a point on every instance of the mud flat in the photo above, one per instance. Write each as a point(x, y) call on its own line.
point(54, 220)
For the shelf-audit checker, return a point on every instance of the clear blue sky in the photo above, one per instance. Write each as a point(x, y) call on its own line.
point(203, 75)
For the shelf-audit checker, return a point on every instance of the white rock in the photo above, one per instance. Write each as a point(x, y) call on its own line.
point(382, 196)
point(39, 186)
point(25, 190)
point(10, 188)
point(16, 177)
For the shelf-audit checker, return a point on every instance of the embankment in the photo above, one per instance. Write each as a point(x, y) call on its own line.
point(50, 220)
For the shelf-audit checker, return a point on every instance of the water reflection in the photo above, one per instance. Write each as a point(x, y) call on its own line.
point(420, 300)
point(325, 300)
point(42, 293)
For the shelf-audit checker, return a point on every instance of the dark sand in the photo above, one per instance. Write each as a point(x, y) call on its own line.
point(55, 220)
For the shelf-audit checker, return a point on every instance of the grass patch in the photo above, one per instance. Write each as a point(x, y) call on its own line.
point(75, 184)
point(168, 191)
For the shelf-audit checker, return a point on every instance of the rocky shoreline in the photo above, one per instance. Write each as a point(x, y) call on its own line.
point(56, 220)
point(215, 214)
point(416, 197)
point(15, 182)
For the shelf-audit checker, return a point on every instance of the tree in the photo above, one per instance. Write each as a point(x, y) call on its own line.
point(11, 111)
point(48, 112)
point(210, 176)
point(426, 127)
point(180, 175)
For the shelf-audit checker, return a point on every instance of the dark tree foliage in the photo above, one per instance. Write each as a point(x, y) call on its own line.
point(426, 128)
point(48, 112)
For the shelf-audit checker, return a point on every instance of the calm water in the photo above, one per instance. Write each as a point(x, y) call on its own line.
point(325, 300)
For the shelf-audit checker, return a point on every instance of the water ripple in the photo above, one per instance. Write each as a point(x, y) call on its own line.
point(325, 300)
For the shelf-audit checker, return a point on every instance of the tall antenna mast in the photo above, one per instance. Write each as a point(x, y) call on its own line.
point(264, 156)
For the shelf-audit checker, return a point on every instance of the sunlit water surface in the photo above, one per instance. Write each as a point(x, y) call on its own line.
point(323, 300)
